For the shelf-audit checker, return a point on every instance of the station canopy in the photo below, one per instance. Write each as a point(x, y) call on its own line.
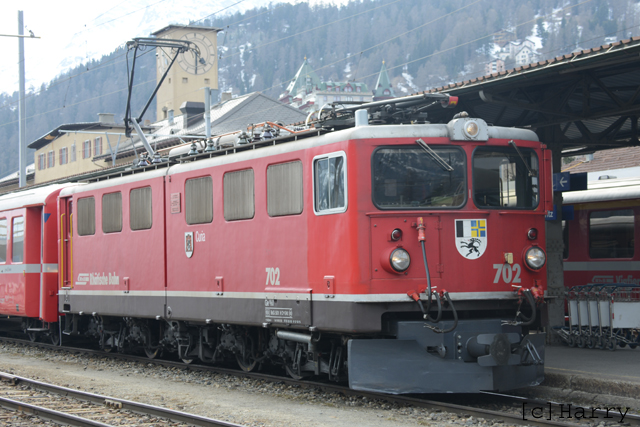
point(579, 103)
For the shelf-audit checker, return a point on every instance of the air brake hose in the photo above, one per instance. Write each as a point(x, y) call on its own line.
point(455, 317)
point(427, 316)
point(531, 301)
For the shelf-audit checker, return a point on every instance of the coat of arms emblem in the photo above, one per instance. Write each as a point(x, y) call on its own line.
point(188, 244)
point(471, 237)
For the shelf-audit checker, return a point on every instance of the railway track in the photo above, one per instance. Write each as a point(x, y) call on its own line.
point(71, 407)
point(487, 406)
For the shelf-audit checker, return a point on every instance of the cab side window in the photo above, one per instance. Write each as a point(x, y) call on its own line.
point(330, 183)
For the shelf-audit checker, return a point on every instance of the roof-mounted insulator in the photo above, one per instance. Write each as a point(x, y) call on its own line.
point(243, 138)
point(194, 150)
point(156, 159)
point(210, 147)
point(143, 161)
point(267, 132)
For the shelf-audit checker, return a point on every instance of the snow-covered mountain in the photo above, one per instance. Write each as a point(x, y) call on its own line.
point(72, 33)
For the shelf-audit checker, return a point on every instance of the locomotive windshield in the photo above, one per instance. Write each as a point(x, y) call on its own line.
point(505, 178)
point(410, 177)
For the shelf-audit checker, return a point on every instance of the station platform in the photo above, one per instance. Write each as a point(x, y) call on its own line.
point(593, 370)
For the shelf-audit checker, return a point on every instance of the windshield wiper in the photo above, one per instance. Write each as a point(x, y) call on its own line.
point(513, 144)
point(439, 160)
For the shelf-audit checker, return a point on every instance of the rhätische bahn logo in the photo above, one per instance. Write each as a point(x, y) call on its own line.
point(471, 237)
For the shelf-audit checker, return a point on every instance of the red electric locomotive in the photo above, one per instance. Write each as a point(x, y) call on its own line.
point(406, 258)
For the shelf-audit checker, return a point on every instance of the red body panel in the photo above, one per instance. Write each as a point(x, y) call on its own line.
point(20, 281)
point(130, 260)
point(292, 256)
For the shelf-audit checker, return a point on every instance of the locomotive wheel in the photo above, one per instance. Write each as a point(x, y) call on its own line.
point(54, 336)
point(152, 353)
point(635, 339)
point(293, 374)
point(246, 365)
point(32, 336)
point(187, 361)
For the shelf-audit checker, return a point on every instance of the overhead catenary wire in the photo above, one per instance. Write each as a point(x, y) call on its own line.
point(367, 76)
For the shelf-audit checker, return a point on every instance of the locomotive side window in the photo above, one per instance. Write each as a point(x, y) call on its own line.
point(611, 234)
point(198, 200)
point(239, 195)
point(409, 177)
point(330, 183)
point(86, 216)
point(112, 212)
point(504, 179)
point(140, 209)
point(3, 240)
point(17, 248)
point(284, 189)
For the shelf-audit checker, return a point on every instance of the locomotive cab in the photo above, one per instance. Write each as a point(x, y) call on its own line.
point(454, 225)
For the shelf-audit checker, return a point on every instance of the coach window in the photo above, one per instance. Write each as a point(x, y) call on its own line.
point(239, 195)
point(505, 178)
point(611, 234)
point(3, 240)
point(199, 200)
point(412, 178)
point(112, 212)
point(284, 189)
point(86, 216)
point(17, 248)
point(330, 183)
point(140, 217)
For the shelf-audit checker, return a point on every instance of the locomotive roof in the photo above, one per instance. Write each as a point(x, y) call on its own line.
point(140, 176)
point(29, 197)
point(313, 138)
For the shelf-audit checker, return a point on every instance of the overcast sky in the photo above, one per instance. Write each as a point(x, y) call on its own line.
point(73, 31)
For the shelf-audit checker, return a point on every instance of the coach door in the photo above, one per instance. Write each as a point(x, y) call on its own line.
point(66, 243)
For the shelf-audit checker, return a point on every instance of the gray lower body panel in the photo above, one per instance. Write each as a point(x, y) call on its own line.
point(325, 315)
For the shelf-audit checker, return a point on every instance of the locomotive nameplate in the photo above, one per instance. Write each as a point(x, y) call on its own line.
point(279, 309)
point(175, 203)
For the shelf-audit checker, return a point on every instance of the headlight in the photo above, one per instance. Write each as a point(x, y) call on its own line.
point(535, 258)
point(400, 260)
point(471, 129)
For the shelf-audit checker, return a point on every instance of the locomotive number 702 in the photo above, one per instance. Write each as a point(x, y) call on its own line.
point(510, 274)
point(273, 276)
